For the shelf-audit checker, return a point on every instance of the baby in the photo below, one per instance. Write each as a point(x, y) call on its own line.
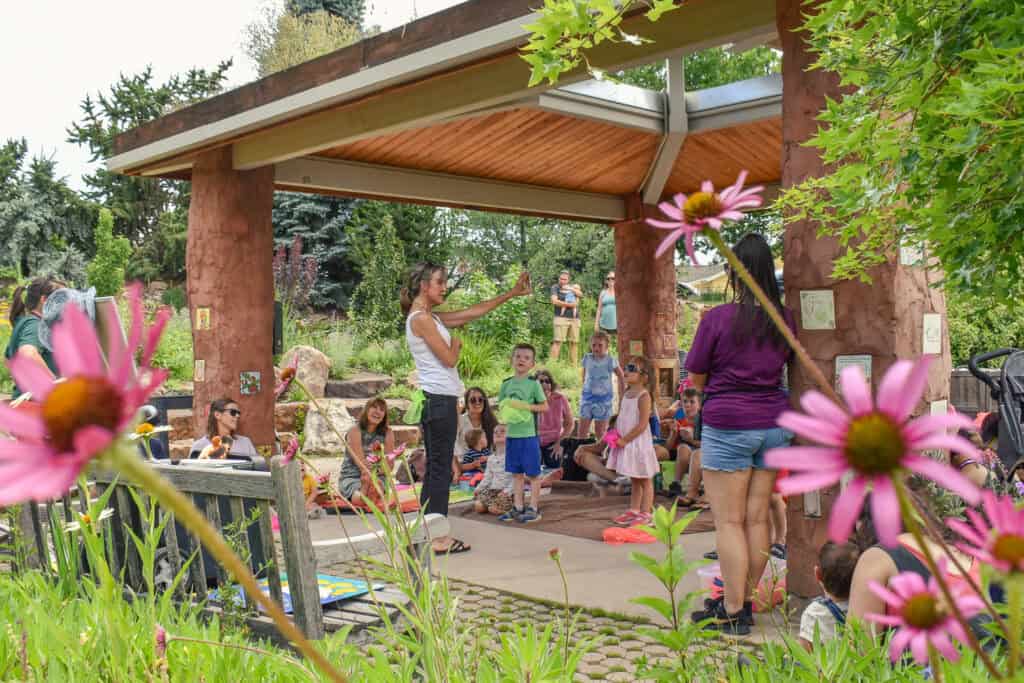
point(475, 458)
point(836, 562)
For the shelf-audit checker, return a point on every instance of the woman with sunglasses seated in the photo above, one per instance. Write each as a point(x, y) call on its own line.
point(555, 424)
point(222, 439)
point(476, 414)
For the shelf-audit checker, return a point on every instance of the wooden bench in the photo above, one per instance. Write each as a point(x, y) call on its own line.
point(226, 495)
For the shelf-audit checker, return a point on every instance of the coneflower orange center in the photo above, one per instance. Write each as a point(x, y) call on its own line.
point(701, 205)
point(874, 444)
point(144, 429)
point(80, 402)
point(1009, 548)
point(288, 374)
point(923, 611)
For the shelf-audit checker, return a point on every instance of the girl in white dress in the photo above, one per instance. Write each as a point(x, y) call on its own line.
point(633, 453)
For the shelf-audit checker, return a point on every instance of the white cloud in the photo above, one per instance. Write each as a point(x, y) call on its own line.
point(54, 53)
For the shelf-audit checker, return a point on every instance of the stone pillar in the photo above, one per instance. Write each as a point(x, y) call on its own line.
point(231, 291)
point(645, 295)
point(883, 319)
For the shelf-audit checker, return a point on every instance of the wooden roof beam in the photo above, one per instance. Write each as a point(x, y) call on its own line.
point(387, 182)
point(676, 126)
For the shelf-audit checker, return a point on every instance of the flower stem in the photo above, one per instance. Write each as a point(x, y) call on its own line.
point(255, 650)
point(935, 662)
point(1015, 586)
point(816, 375)
point(906, 509)
point(172, 499)
point(565, 595)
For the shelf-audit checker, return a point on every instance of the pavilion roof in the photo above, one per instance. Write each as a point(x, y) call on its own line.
point(439, 112)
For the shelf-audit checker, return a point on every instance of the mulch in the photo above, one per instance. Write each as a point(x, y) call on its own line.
point(570, 511)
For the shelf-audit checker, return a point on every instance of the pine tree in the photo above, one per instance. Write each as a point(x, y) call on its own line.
point(106, 270)
point(320, 222)
point(351, 11)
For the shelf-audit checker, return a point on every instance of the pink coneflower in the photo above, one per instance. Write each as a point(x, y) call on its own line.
point(69, 423)
point(920, 614)
point(290, 451)
point(704, 209)
point(999, 541)
point(284, 382)
point(875, 443)
point(160, 636)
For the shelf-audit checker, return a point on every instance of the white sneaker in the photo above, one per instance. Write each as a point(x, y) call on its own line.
point(600, 481)
point(623, 481)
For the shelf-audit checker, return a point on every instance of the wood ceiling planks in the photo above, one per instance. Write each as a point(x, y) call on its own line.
point(719, 156)
point(521, 145)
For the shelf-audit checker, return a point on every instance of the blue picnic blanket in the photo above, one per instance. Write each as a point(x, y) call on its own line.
point(332, 589)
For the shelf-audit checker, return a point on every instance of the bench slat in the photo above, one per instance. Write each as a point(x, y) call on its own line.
point(213, 515)
point(238, 518)
point(270, 550)
point(173, 551)
point(129, 515)
point(198, 565)
point(218, 482)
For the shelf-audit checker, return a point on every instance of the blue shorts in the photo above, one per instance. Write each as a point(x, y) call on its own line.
point(596, 410)
point(733, 450)
point(522, 456)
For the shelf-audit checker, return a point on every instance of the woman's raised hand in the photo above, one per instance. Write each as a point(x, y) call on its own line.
point(523, 285)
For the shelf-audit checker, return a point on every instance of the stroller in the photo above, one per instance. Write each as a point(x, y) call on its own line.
point(1009, 392)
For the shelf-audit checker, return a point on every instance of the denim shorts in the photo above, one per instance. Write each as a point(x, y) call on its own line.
point(733, 450)
point(596, 410)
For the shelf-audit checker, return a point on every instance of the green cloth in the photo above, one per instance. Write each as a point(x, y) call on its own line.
point(26, 333)
point(509, 415)
point(528, 391)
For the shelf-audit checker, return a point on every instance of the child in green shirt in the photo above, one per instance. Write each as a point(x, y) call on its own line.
point(522, 450)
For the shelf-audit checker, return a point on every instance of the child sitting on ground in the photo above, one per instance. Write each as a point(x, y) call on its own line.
point(633, 453)
point(686, 441)
point(834, 572)
point(476, 456)
point(494, 492)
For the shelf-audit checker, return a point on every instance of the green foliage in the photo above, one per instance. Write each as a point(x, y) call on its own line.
point(708, 68)
point(137, 203)
point(106, 271)
point(479, 357)
point(6, 381)
point(502, 327)
point(174, 297)
point(161, 256)
point(389, 357)
point(351, 11)
point(175, 350)
point(926, 142)
point(375, 302)
point(977, 326)
point(283, 38)
point(564, 29)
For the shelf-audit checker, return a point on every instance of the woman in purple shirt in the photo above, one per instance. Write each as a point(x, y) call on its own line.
point(737, 359)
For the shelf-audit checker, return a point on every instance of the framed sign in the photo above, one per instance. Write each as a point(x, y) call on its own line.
point(818, 309)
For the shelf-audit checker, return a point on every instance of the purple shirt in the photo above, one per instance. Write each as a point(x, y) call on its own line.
point(744, 386)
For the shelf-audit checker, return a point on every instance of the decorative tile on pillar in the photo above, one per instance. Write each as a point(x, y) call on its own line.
point(817, 309)
point(203, 318)
point(199, 373)
point(863, 361)
point(250, 382)
point(931, 333)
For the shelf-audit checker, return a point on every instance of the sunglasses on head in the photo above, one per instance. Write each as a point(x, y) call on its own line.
point(233, 412)
point(476, 399)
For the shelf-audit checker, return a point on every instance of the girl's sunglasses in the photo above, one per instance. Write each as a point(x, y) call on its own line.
point(632, 367)
point(476, 399)
point(233, 412)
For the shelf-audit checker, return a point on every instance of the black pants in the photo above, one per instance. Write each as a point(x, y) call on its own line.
point(440, 425)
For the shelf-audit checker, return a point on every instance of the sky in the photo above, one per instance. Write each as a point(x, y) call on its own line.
point(52, 53)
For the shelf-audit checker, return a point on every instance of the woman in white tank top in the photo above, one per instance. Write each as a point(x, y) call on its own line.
point(436, 354)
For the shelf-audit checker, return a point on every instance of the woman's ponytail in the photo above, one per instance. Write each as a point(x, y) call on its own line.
point(17, 305)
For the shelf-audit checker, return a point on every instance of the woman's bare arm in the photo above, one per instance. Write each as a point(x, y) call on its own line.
point(423, 326)
point(468, 315)
point(874, 565)
point(699, 380)
point(354, 438)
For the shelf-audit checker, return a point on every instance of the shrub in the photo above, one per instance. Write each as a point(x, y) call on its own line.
point(479, 357)
point(389, 357)
point(174, 297)
point(375, 305)
point(175, 350)
point(506, 325)
point(106, 270)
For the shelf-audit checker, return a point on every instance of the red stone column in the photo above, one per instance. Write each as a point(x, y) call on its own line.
point(883, 319)
point(645, 295)
point(231, 290)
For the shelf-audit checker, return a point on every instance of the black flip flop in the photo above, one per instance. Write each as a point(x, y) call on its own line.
point(454, 548)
